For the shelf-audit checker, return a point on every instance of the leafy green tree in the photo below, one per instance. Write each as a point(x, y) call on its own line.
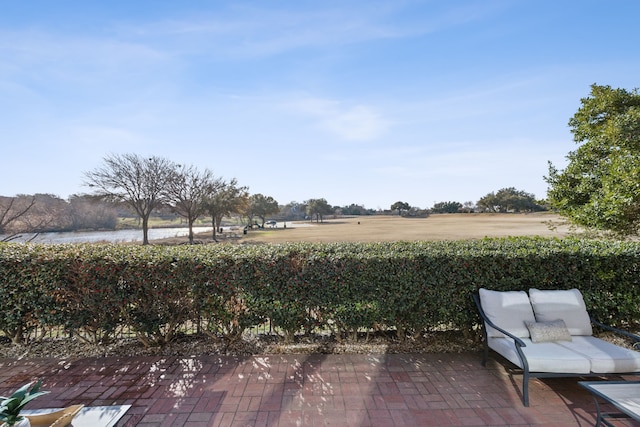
point(261, 206)
point(400, 207)
point(468, 207)
point(517, 200)
point(509, 200)
point(600, 187)
point(488, 203)
point(446, 207)
point(227, 200)
point(318, 208)
point(354, 209)
point(293, 211)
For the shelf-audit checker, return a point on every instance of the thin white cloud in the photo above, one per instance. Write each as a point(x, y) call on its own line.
point(348, 122)
point(107, 137)
point(47, 59)
point(250, 32)
point(255, 31)
point(32, 46)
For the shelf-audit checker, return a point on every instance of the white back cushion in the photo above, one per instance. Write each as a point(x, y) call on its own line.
point(567, 305)
point(508, 310)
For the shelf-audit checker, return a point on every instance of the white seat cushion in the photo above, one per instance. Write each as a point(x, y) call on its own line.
point(567, 305)
point(543, 357)
point(508, 310)
point(606, 358)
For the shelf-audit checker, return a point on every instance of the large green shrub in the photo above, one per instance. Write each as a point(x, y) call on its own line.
point(30, 276)
point(408, 287)
point(94, 297)
point(224, 295)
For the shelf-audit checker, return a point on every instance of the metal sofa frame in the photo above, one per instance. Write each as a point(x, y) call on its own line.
point(527, 374)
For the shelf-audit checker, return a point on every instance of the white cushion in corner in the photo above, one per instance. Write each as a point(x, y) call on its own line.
point(605, 357)
point(567, 305)
point(543, 357)
point(508, 310)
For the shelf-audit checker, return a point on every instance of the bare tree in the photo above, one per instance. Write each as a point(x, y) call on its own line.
point(140, 182)
point(33, 214)
point(50, 213)
point(227, 200)
point(90, 213)
point(187, 191)
point(12, 209)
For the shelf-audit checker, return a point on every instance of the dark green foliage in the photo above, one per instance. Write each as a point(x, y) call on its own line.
point(409, 287)
point(599, 188)
point(400, 207)
point(220, 298)
point(509, 200)
point(29, 277)
point(446, 207)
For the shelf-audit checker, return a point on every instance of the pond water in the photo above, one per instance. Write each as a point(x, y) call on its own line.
point(126, 236)
point(118, 236)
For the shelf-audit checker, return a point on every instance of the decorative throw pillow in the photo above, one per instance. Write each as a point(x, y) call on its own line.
point(556, 330)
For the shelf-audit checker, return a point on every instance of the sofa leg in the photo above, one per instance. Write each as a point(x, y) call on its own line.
point(525, 388)
point(485, 354)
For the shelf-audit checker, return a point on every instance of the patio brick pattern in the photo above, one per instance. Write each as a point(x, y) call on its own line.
point(305, 390)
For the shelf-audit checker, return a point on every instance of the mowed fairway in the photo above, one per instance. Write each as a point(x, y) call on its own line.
point(393, 228)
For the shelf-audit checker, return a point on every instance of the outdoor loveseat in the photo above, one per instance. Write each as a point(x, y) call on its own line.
point(548, 333)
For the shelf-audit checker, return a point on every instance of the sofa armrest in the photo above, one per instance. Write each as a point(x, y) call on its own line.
point(485, 319)
point(634, 337)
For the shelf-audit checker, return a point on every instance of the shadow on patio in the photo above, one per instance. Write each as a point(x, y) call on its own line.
point(300, 390)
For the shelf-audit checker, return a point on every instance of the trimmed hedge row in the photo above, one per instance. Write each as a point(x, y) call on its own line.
point(345, 287)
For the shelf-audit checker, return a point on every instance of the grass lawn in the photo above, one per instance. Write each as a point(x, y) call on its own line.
point(393, 228)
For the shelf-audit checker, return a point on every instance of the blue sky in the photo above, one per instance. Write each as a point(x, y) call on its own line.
point(366, 102)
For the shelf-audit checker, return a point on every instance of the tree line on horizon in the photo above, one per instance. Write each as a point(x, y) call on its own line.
point(130, 183)
point(598, 190)
point(100, 211)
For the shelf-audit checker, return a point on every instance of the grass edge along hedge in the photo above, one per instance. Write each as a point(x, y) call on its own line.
point(97, 290)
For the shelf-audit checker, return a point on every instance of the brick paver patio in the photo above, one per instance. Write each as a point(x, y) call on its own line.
point(305, 390)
